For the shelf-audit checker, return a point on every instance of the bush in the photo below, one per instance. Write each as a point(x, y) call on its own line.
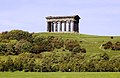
point(70, 44)
point(3, 48)
point(115, 47)
point(57, 43)
point(108, 45)
point(83, 50)
point(2, 63)
point(22, 46)
point(9, 64)
point(111, 37)
point(76, 49)
point(115, 63)
point(41, 44)
point(96, 63)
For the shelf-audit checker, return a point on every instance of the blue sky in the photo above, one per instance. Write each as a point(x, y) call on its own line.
point(98, 17)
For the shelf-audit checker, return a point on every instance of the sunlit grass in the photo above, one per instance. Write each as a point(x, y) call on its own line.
point(59, 75)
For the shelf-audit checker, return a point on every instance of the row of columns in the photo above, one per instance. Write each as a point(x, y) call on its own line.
point(52, 25)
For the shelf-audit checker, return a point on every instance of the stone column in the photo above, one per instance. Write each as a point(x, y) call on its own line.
point(56, 27)
point(52, 25)
point(69, 24)
point(49, 26)
point(78, 27)
point(73, 27)
point(65, 26)
point(60, 26)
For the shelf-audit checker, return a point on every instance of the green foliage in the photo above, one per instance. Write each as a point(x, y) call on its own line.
point(57, 42)
point(67, 62)
point(17, 41)
point(42, 44)
point(97, 63)
point(16, 35)
point(22, 46)
point(2, 65)
point(53, 52)
point(2, 48)
point(110, 45)
point(9, 65)
point(71, 44)
point(83, 50)
point(115, 63)
point(76, 49)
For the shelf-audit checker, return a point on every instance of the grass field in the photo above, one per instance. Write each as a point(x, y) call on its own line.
point(60, 75)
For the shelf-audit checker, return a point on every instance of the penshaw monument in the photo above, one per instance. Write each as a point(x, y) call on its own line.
point(63, 23)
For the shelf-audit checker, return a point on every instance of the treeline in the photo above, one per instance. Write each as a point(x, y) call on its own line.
point(63, 62)
point(17, 41)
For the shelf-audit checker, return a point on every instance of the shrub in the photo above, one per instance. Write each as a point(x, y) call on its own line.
point(9, 64)
point(83, 50)
point(41, 44)
point(115, 47)
point(97, 62)
point(58, 43)
point(107, 45)
point(117, 43)
point(111, 37)
point(70, 44)
point(19, 34)
point(114, 62)
point(2, 63)
point(76, 49)
point(22, 46)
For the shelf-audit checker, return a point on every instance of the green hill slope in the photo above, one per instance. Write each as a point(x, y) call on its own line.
point(92, 43)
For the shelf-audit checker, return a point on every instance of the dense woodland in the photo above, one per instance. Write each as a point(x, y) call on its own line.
point(36, 53)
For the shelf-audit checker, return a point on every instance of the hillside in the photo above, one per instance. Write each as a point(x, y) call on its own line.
point(92, 43)
point(52, 52)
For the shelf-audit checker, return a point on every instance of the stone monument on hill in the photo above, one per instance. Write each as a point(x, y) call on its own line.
point(63, 23)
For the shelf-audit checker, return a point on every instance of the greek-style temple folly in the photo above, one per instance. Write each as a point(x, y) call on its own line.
point(63, 23)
